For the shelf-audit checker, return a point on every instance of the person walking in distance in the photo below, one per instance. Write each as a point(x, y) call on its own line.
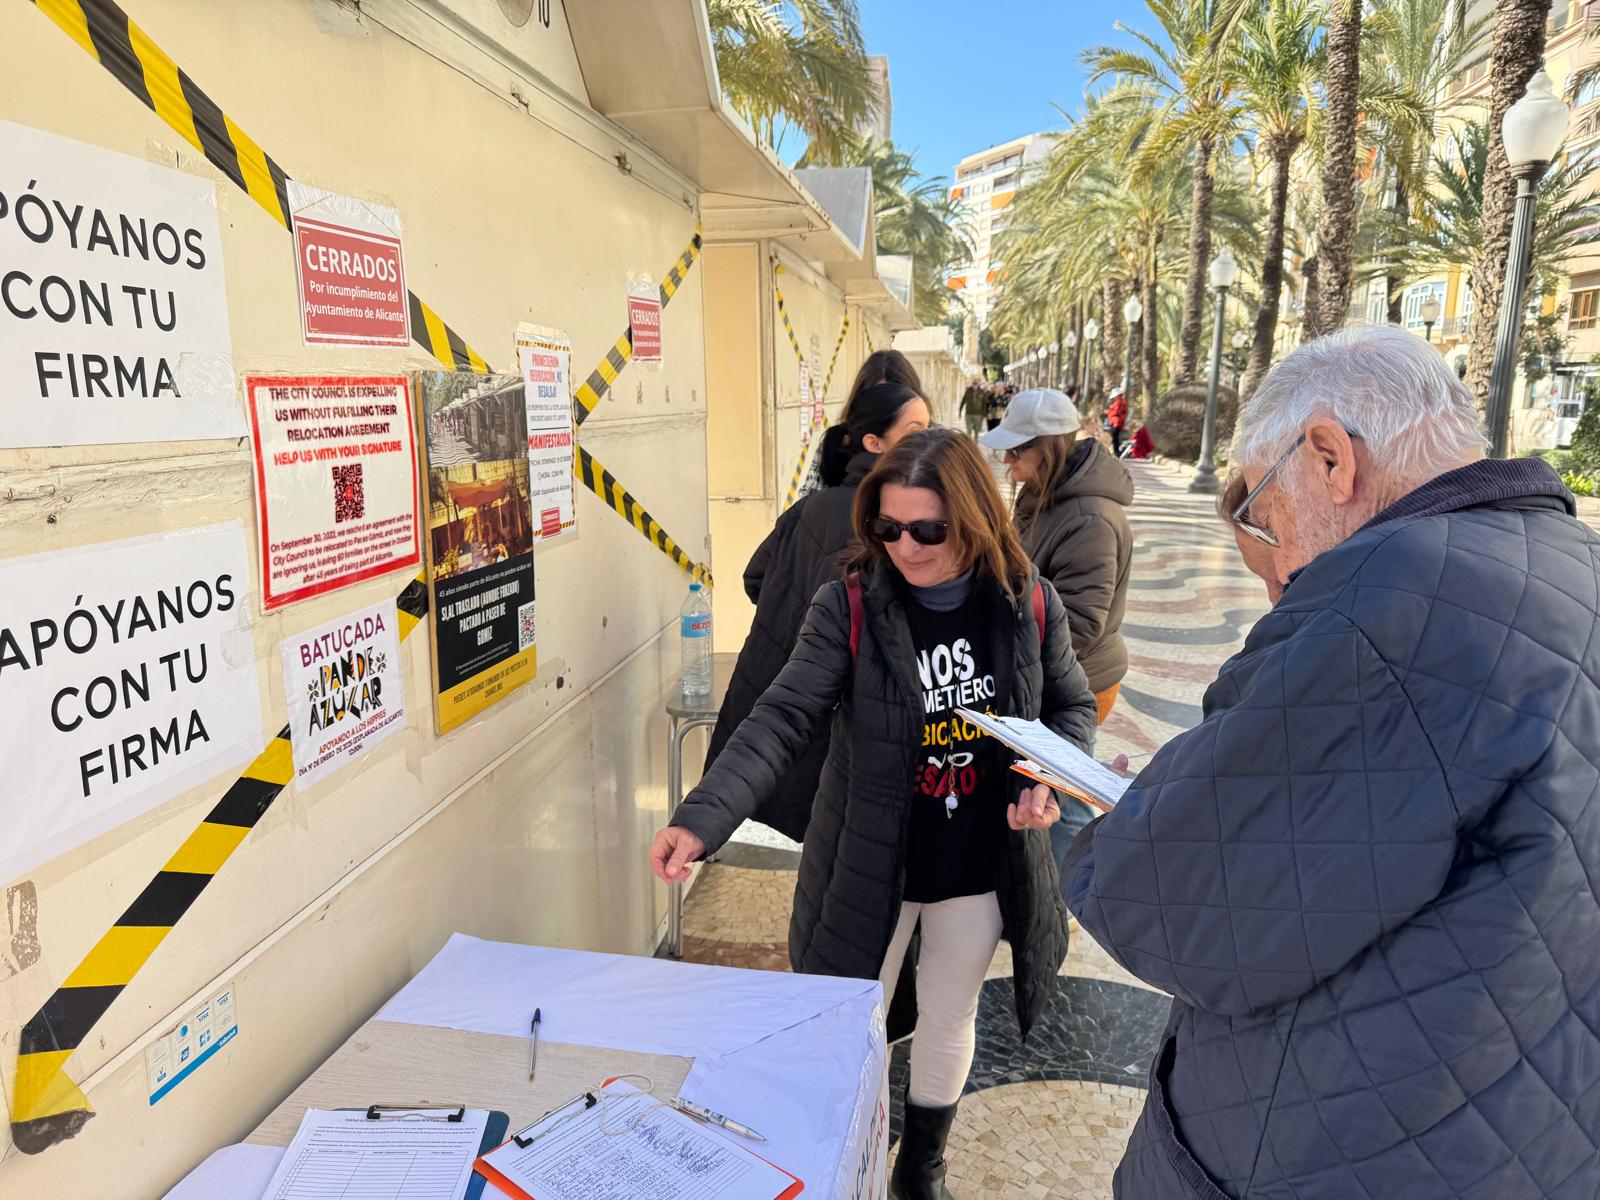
point(802, 553)
point(1071, 513)
point(975, 406)
point(919, 822)
point(1117, 420)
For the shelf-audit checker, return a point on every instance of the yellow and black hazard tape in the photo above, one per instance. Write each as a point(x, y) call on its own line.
point(821, 418)
point(594, 389)
point(47, 1106)
point(109, 36)
point(612, 494)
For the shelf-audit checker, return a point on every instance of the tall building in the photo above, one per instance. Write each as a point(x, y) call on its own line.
point(985, 185)
point(880, 123)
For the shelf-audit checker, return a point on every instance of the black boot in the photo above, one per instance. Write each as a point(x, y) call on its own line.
point(919, 1171)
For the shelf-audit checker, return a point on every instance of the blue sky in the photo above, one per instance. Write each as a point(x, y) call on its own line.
point(967, 74)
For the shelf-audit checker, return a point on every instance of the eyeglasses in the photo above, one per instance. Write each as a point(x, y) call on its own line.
point(1016, 452)
point(924, 533)
point(1240, 521)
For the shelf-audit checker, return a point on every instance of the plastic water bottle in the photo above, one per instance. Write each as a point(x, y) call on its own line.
point(694, 631)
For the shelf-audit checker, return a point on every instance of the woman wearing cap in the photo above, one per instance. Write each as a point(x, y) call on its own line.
point(802, 553)
point(918, 821)
point(1072, 515)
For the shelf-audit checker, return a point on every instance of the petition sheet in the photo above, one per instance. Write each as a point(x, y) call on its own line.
point(415, 1157)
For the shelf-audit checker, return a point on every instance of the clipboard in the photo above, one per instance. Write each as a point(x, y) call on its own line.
point(483, 1170)
point(494, 1132)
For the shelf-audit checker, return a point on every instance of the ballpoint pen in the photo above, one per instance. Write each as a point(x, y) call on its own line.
point(701, 1113)
point(533, 1059)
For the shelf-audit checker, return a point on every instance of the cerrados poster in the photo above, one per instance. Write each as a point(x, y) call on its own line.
point(480, 540)
point(336, 481)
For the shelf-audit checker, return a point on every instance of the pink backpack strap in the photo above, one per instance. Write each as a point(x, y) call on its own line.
point(852, 591)
point(1038, 609)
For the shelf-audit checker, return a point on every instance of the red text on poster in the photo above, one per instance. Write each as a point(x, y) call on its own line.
point(644, 318)
point(336, 481)
point(352, 285)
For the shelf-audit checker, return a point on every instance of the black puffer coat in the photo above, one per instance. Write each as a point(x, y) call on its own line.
point(1081, 542)
point(799, 556)
point(852, 874)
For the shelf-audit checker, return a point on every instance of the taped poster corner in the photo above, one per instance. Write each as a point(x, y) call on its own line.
point(544, 360)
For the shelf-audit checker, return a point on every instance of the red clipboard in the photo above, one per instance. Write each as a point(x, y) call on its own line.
point(486, 1169)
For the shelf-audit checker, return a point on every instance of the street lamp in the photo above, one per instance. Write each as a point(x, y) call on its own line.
point(1533, 131)
point(1430, 315)
point(1132, 310)
point(1091, 330)
point(1221, 275)
point(1072, 356)
point(1241, 339)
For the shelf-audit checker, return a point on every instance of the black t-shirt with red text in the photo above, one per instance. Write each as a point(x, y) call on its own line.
point(951, 852)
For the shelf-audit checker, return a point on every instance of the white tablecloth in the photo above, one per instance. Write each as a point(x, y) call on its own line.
point(801, 1058)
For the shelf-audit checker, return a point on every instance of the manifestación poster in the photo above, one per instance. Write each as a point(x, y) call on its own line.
point(480, 540)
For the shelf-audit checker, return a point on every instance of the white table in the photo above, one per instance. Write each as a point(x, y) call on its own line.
point(801, 1058)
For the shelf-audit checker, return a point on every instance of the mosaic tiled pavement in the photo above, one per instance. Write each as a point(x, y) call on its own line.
point(1049, 1118)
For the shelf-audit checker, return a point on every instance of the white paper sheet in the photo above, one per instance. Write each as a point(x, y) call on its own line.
point(238, 1172)
point(342, 1155)
point(1052, 752)
point(644, 1004)
point(632, 1144)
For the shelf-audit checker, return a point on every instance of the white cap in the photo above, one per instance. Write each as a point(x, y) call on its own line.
point(1037, 412)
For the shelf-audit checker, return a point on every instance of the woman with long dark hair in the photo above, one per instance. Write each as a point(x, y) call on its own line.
point(1072, 516)
point(802, 553)
point(919, 822)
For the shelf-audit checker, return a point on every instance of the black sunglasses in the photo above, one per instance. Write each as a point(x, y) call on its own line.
point(924, 533)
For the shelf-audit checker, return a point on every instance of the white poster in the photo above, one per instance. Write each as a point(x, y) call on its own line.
point(129, 676)
point(113, 305)
point(544, 359)
point(336, 481)
point(344, 691)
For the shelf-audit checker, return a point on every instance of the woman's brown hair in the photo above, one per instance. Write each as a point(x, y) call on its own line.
point(948, 464)
point(1055, 452)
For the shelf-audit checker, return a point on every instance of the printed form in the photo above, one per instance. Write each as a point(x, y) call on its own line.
point(632, 1147)
point(344, 1156)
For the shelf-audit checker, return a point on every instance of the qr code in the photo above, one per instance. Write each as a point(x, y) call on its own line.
point(349, 498)
point(525, 634)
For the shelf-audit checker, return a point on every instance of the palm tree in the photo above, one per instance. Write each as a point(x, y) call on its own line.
point(1275, 67)
point(1184, 69)
point(1447, 230)
point(1518, 47)
point(1411, 49)
point(1336, 230)
point(800, 63)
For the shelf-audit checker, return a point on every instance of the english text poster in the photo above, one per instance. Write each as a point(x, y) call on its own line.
point(113, 305)
point(336, 481)
point(129, 676)
point(480, 540)
point(544, 357)
point(344, 691)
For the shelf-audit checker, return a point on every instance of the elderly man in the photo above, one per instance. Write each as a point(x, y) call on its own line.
point(1370, 875)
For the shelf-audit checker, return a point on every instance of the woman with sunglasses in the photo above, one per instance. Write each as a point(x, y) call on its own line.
point(919, 823)
point(1072, 516)
point(802, 553)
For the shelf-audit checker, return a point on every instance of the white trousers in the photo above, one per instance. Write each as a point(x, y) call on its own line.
point(958, 944)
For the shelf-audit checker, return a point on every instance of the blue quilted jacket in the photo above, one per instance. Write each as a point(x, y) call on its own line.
point(1370, 875)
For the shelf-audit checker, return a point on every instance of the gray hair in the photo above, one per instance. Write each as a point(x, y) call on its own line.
point(1417, 419)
